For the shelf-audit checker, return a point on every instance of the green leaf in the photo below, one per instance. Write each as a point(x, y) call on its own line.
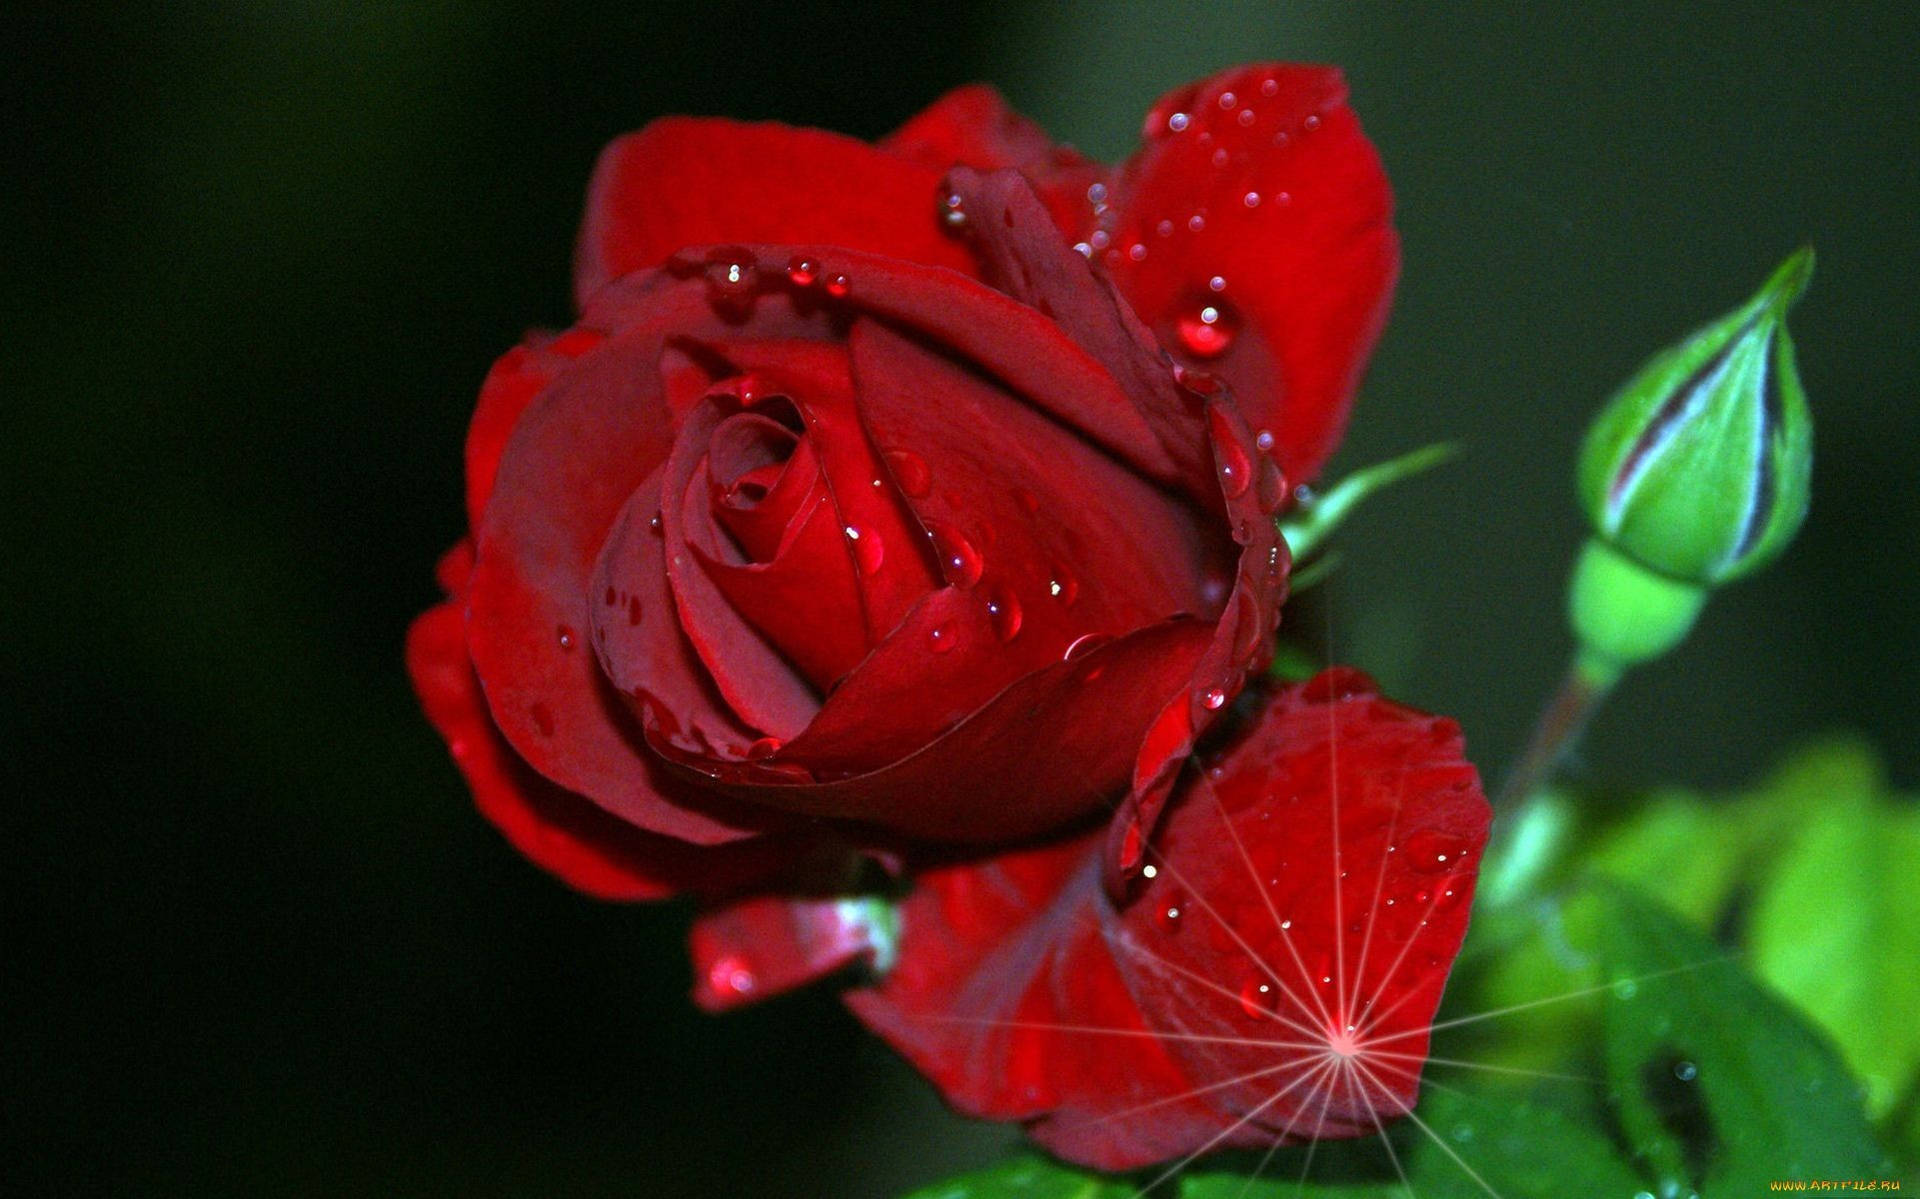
point(1519, 1147)
point(1029, 1177)
point(1718, 1085)
point(1837, 928)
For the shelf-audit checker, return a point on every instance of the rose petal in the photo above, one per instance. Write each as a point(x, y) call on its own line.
point(684, 181)
point(558, 830)
point(1023, 255)
point(520, 375)
point(973, 126)
point(1269, 185)
point(1026, 992)
point(578, 452)
point(1027, 761)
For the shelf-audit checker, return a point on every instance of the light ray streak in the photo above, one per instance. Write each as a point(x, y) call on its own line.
point(1220, 1136)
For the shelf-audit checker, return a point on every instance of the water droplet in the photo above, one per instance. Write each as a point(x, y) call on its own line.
point(910, 471)
point(1256, 998)
point(801, 272)
point(731, 281)
point(1097, 194)
point(1263, 441)
point(1221, 157)
point(1685, 1071)
point(1003, 612)
point(1196, 223)
point(542, 719)
point(730, 977)
point(1083, 249)
point(654, 524)
point(1625, 988)
point(953, 211)
point(1213, 699)
point(1217, 283)
point(942, 637)
point(1246, 117)
point(1207, 330)
point(1228, 100)
point(1229, 459)
point(1251, 199)
point(868, 550)
point(1285, 925)
point(765, 747)
point(1167, 917)
point(1137, 251)
point(1149, 870)
point(1063, 586)
point(1099, 239)
point(838, 286)
point(1272, 486)
point(1311, 123)
point(1083, 645)
point(1269, 87)
point(1462, 1133)
point(1177, 123)
point(1283, 198)
point(959, 561)
point(565, 637)
point(1433, 852)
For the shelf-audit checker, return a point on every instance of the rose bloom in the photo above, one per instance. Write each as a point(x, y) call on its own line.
point(871, 556)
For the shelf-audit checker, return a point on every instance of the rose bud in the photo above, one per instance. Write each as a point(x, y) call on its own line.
point(1699, 466)
point(1696, 473)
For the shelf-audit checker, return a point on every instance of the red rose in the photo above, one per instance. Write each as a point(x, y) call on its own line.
point(890, 500)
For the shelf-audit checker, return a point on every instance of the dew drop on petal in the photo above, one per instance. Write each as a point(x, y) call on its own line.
point(1311, 123)
point(1231, 461)
point(765, 747)
point(1196, 223)
point(1003, 613)
point(910, 472)
point(868, 550)
point(942, 637)
point(959, 562)
point(1263, 440)
point(1083, 645)
point(1166, 915)
point(1217, 283)
point(1213, 698)
point(566, 638)
point(801, 272)
point(838, 286)
point(1063, 586)
point(1272, 486)
point(1177, 123)
point(1208, 329)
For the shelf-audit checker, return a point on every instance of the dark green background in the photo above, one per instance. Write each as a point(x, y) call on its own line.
point(258, 258)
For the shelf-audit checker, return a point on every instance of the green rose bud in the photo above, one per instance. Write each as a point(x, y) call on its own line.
point(1699, 467)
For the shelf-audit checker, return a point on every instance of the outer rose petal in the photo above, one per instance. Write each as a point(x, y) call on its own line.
point(1026, 992)
point(1265, 182)
point(683, 181)
point(560, 831)
point(973, 126)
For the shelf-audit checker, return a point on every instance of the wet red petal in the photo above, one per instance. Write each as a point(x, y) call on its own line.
point(1263, 181)
point(973, 126)
point(684, 182)
point(558, 830)
point(1024, 989)
point(579, 452)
